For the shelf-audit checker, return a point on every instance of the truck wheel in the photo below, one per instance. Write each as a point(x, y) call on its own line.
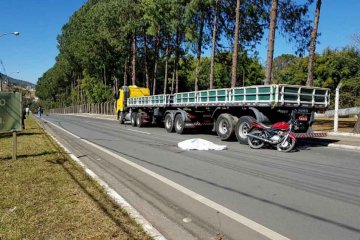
point(121, 118)
point(225, 126)
point(133, 119)
point(179, 124)
point(242, 128)
point(169, 123)
point(139, 121)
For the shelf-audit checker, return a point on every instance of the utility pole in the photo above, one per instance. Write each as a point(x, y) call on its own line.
point(336, 112)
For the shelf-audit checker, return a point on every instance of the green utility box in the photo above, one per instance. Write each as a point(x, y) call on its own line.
point(10, 111)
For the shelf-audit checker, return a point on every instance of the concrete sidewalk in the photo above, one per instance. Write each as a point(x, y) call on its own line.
point(338, 140)
point(333, 140)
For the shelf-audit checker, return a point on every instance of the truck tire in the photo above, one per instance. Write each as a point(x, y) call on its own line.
point(179, 124)
point(121, 117)
point(225, 126)
point(133, 119)
point(169, 123)
point(242, 127)
point(139, 121)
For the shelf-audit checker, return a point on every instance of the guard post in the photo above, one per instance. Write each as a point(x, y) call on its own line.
point(11, 116)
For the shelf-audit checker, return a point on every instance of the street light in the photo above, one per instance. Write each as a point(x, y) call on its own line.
point(13, 33)
point(1, 35)
point(9, 75)
point(5, 80)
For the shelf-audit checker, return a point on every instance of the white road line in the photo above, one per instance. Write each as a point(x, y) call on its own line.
point(132, 130)
point(148, 228)
point(227, 212)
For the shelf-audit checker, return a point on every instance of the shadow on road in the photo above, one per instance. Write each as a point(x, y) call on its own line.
point(308, 143)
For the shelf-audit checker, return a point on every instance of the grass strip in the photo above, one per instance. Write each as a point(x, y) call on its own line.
point(45, 195)
point(327, 124)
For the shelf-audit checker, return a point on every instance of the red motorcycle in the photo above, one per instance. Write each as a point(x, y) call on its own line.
point(279, 134)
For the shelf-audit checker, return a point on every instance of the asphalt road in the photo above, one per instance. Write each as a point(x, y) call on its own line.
point(313, 193)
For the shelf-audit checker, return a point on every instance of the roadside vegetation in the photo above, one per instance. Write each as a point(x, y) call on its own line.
point(45, 195)
point(184, 45)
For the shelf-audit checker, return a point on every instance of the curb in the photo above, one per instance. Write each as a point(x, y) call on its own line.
point(344, 134)
point(335, 145)
point(343, 146)
point(139, 219)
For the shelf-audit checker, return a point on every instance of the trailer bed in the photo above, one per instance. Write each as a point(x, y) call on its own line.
point(279, 95)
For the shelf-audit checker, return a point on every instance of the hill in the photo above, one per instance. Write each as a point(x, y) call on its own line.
point(17, 82)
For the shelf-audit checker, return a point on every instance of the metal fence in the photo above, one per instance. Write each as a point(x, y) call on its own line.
point(105, 108)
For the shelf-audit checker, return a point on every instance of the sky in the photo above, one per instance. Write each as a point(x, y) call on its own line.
point(40, 21)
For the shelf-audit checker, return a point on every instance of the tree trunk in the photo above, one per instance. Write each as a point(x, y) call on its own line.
point(211, 80)
point(172, 82)
point(177, 81)
point(157, 44)
point(357, 125)
point(146, 73)
point(116, 85)
point(166, 68)
point(236, 43)
point(105, 75)
point(133, 64)
point(270, 52)
point(176, 67)
point(199, 47)
point(125, 72)
point(310, 76)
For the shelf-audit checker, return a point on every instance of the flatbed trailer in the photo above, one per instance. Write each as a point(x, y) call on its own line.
point(228, 111)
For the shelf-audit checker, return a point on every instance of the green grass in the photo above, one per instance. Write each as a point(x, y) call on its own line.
point(45, 195)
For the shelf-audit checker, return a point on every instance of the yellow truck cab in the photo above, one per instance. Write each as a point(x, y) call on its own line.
point(121, 99)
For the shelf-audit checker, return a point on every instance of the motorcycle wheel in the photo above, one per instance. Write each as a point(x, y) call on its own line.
point(253, 142)
point(286, 146)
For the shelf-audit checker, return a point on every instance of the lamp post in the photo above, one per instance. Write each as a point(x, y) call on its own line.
point(9, 75)
point(9, 33)
point(1, 35)
point(6, 79)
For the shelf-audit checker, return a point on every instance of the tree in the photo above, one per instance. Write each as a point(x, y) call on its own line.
point(197, 16)
point(236, 43)
point(356, 39)
point(133, 62)
point(314, 33)
point(217, 4)
point(106, 40)
point(271, 39)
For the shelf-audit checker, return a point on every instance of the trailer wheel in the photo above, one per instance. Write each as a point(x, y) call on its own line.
point(133, 119)
point(179, 124)
point(242, 128)
point(121, 117)
point(225, 126)
point(169, 123)
point(139, 121)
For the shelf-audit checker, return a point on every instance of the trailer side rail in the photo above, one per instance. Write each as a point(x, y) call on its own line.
point(269, 95)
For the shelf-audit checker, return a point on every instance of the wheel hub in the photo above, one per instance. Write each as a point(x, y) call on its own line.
point(223, 126)
point(244, 128)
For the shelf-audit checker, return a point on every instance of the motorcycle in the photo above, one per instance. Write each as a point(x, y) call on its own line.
point(279, 134)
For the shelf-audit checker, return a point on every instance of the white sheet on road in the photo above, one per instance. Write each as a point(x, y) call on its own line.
point(200, 144)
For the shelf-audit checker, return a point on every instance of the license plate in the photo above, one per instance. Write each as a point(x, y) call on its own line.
point(303, 118)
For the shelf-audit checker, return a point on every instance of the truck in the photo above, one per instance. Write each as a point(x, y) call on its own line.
point(227, 111)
